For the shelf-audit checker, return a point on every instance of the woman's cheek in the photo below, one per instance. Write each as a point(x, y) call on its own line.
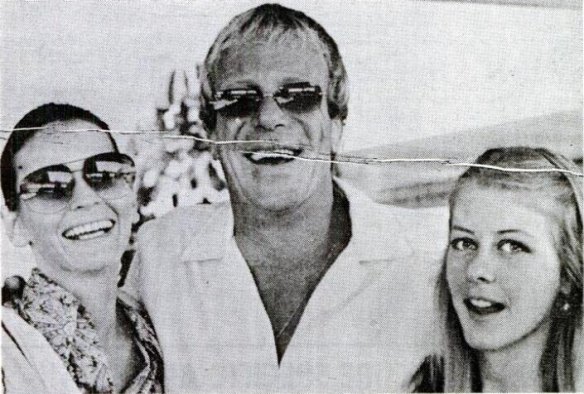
point(455, 272)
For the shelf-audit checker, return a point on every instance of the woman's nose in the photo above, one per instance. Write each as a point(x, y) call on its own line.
point(270, 115)
point(482, 268)
point(83, 195)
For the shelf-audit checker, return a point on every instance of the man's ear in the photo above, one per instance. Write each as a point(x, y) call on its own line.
point(214, 151)
point(213, 147)
point(15, 229)
point(336, 135)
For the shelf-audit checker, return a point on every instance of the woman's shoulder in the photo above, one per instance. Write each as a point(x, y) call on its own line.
point(18, 375)
point(22, 334)
point(29, 363)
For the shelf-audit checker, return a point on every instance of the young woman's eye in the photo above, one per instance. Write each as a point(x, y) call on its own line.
point(463, 244)
point(509, 246)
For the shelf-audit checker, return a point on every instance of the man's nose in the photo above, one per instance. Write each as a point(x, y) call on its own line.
point(482, 268)
point(270, 115)
point(83, 195)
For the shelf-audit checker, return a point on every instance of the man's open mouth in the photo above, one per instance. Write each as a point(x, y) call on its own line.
point(273, 156)
point(89, 230)
point(482, 306)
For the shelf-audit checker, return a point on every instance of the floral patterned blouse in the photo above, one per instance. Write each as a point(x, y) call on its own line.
point(67, 326)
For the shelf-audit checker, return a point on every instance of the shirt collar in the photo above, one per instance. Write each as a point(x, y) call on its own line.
point(67, 326)
point(377, 232)
point(373, 238)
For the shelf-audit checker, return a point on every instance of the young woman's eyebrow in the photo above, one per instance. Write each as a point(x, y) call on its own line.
point(460, 228)
point(513, 231)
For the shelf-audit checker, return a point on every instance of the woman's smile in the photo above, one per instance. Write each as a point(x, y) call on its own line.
point(89, 230)
point(479, 307)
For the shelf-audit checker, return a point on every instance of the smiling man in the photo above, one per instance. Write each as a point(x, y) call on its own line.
point(300, 283)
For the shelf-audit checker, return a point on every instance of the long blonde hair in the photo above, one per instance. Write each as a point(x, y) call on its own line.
point(460, 365)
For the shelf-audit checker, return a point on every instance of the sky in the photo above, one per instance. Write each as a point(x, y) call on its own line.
point(416, 68)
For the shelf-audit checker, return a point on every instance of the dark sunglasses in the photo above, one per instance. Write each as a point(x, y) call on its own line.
point(298, 97)
point(50, 189)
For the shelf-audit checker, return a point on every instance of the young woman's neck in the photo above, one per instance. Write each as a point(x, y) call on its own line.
point(95, 290)
point(515, 368)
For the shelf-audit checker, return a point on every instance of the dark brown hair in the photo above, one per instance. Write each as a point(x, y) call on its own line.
point(26, 128)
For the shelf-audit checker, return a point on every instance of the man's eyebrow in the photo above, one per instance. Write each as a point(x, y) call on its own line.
point(463, 229)
point(299, 79)
point(240, 84)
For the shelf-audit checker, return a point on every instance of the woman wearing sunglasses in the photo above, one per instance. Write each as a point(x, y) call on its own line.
point(511, 288)
point(68, 194)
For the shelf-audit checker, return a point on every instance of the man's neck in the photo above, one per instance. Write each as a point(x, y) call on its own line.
point(289, 254)
point(290, 235)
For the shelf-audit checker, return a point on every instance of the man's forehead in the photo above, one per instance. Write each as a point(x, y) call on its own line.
point(297, 57)
point(291, 41)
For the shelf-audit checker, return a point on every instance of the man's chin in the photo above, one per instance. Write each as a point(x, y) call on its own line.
point(279, 187)
point(277, 202)
point(284, 196)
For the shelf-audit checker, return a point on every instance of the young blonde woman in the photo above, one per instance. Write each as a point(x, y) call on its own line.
point(68, 194)
point(511, 287)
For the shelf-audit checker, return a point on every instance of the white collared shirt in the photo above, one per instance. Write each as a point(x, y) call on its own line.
point(367, 326)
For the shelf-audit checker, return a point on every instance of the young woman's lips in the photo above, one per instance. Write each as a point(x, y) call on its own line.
point(482, 306)
point(89, 230)
point(272, 156)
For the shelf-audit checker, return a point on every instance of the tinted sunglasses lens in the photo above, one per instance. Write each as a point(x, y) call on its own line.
point(238, 103)
point(48, 189)
point(299, 102)
point(111, 175)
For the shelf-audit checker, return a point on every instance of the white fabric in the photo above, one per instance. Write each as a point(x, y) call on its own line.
point(29, 363)
point(367, 326)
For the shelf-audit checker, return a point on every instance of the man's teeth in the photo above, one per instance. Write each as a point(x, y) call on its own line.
point(276, 154)
point(89, 230)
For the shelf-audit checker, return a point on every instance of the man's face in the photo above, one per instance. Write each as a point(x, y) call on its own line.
point(275, 176)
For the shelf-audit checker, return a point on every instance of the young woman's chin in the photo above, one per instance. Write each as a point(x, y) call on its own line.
point(501, 336)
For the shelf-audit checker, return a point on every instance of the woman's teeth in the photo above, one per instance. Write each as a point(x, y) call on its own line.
point(89, 230)
point(480, 303)
point(482, 306)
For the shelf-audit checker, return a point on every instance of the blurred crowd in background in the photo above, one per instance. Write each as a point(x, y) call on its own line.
point(175, 166)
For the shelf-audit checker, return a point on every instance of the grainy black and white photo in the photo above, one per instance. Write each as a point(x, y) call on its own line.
point(291, 197)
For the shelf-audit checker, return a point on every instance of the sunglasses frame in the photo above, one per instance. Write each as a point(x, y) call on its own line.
point(285, 97)
point(115, 157)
